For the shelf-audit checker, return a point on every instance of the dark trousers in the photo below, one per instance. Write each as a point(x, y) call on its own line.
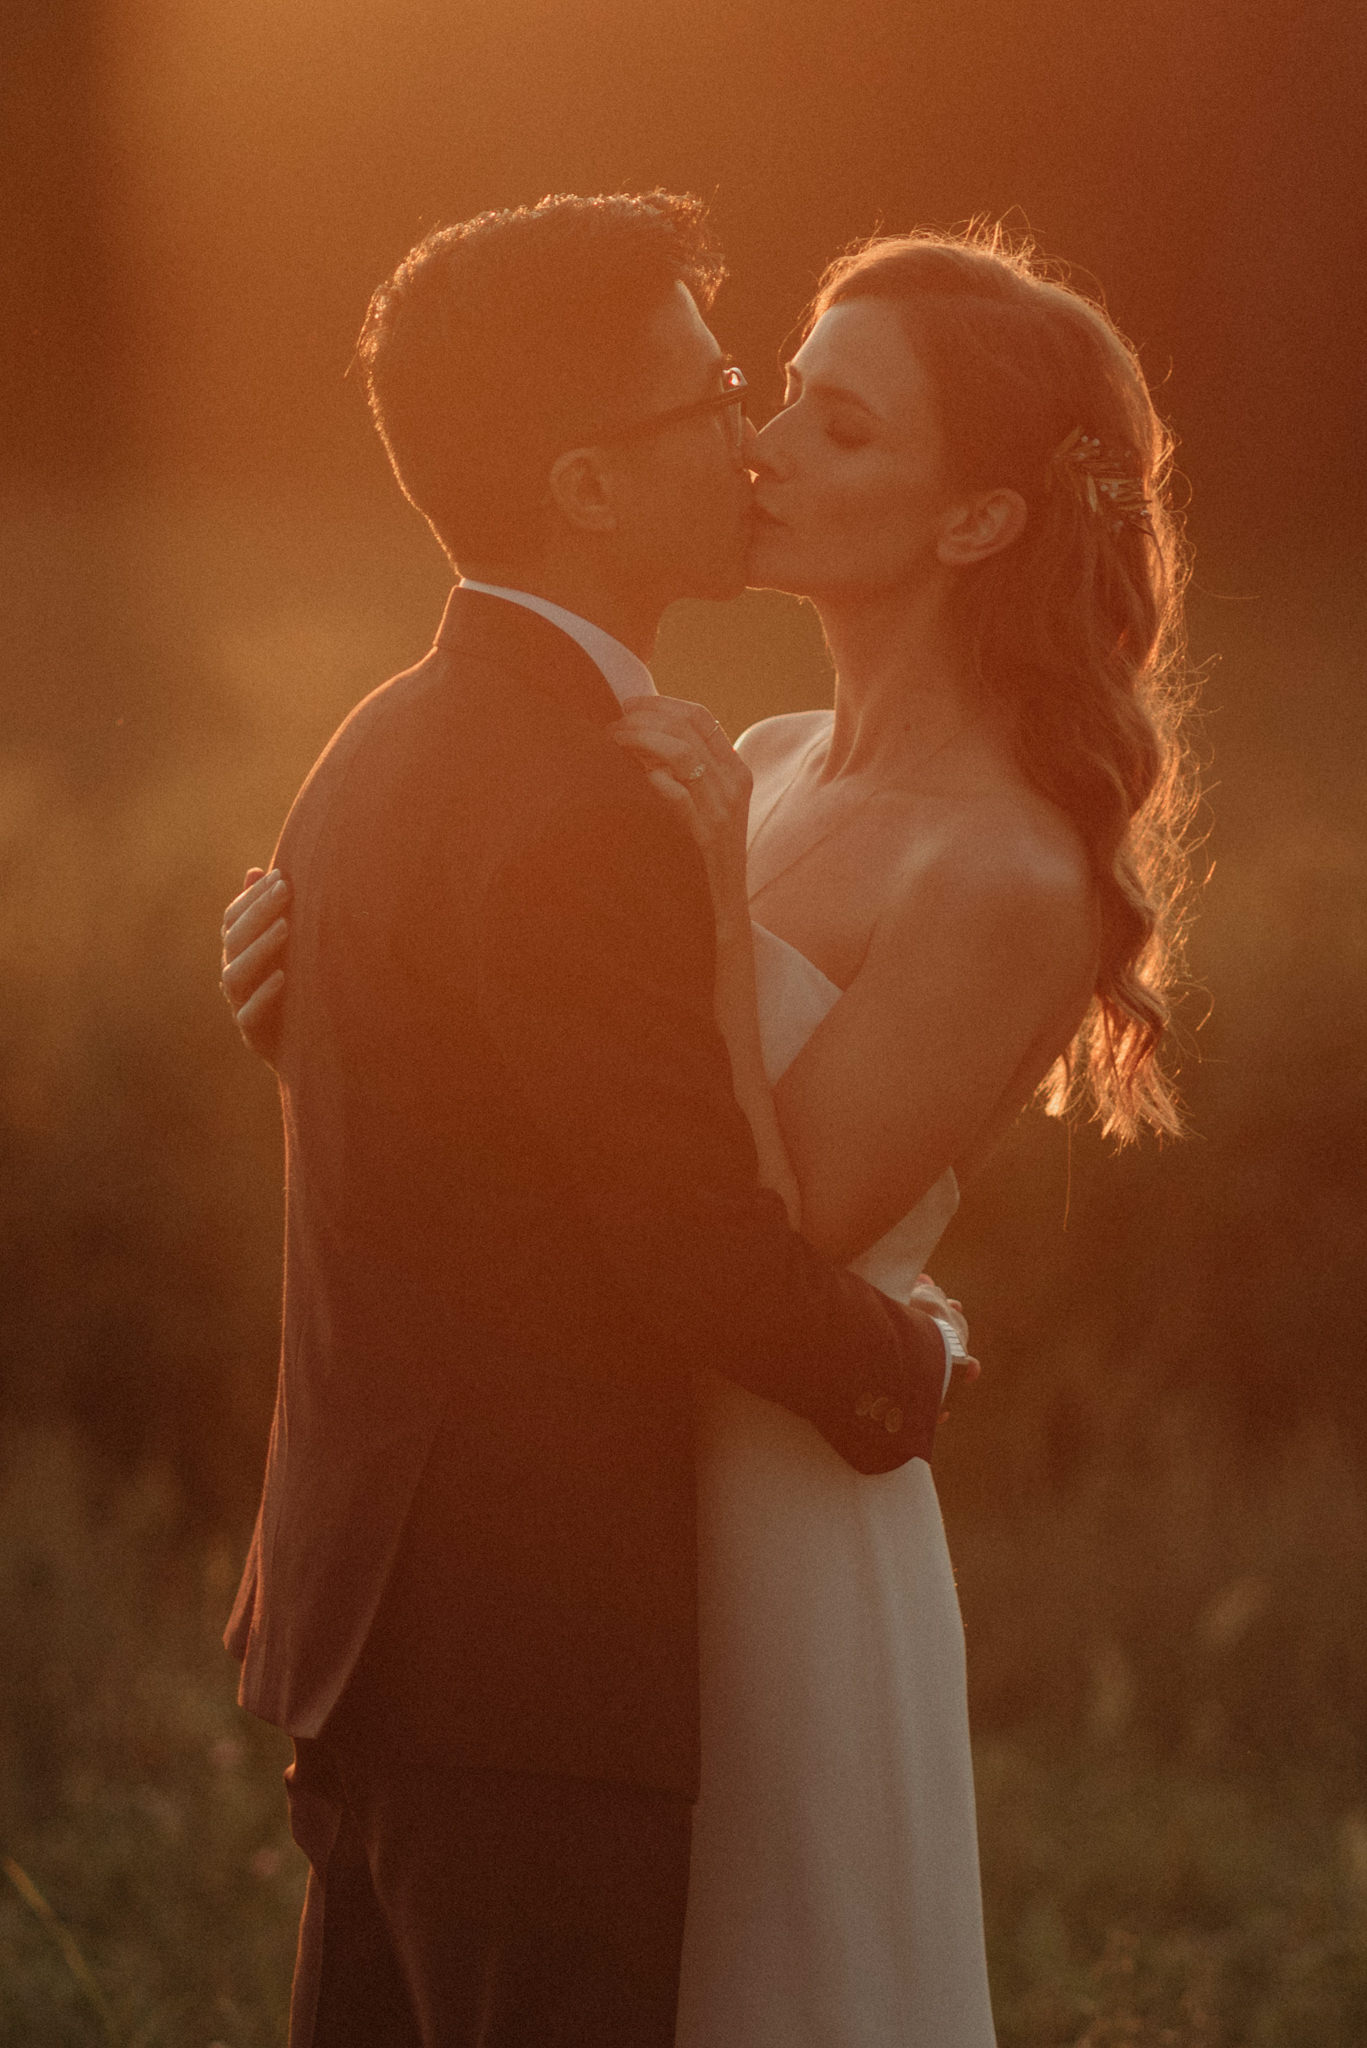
point(451, 1908)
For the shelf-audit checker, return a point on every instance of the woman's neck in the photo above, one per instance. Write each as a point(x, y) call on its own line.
point(902, 689)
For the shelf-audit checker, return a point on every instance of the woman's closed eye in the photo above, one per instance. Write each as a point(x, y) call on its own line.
point(848, 433)
point(845, 430)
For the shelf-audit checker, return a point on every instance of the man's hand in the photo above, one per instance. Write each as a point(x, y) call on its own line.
point(926, 1295)
point(255, 931)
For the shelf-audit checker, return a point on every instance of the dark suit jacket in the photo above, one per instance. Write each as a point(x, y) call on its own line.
point(521, 1208)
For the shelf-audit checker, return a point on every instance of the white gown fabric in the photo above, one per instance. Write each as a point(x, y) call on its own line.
point(834, 1897)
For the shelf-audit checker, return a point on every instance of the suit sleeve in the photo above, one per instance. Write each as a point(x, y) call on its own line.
point(596, 968)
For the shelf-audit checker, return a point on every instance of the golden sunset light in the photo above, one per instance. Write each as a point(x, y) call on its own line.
point(1155, 1496)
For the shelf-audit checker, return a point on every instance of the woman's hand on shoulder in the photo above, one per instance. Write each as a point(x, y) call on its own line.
point(255, 931)
point(686, 756)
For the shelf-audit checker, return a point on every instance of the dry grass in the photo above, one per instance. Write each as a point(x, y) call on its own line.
point(144, 1808)
point(1139, 1892)
point(1140, 1903)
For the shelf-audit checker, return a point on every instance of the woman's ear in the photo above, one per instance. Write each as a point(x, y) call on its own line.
point(581, 492)
point(981, 527)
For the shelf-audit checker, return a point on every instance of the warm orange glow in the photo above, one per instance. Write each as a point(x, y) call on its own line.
point(1156, 1498)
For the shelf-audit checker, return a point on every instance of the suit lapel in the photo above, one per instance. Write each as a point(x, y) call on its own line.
point(510, 637)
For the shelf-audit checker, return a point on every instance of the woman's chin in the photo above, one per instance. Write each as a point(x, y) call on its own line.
point(771, 561)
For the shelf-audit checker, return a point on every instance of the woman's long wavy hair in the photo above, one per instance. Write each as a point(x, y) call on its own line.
point(1076, 630)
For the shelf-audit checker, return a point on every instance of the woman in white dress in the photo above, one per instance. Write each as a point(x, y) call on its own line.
point(962, 883)
point(963, 880)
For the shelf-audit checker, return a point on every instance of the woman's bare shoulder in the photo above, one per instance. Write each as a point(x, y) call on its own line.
point(771, 742)
point(1005, 868)
point(1014, 839)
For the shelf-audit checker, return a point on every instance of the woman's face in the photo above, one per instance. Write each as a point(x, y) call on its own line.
point(851, 491)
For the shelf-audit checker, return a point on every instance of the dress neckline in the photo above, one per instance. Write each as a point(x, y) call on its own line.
point(789, 947)
point(824, 733)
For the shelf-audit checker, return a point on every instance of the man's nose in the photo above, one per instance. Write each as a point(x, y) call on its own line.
point(760, 450)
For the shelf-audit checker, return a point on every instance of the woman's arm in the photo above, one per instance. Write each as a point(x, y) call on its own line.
point(673, 741)
point(737, 1013)
point(976, 977)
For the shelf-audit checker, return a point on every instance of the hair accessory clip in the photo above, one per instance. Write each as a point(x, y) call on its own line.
point(1098, 479)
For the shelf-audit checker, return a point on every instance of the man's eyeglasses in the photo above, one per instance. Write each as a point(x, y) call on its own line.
point(729, 402)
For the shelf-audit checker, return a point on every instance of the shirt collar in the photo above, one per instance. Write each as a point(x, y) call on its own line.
point(624, 672)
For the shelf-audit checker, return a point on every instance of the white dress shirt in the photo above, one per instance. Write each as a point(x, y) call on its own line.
point(625, 674)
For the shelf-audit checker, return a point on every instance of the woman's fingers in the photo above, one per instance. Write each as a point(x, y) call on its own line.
point(686, 808)
point(670, 788)
point(675, 712)
point(716, 804)
point(709, 773)
point(692, 726)
point(244, 976)
point(686, 755)
point(252, 913)
point(686, 759)
point(258, 1017)
point(259, 882)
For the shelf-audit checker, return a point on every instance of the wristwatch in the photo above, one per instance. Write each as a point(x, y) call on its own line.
point(955, 1351)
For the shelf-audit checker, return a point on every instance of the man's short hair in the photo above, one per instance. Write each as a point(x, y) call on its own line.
point(504, 340)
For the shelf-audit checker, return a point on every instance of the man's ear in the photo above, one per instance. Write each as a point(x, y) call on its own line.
point(581, 491)
point(980, 527)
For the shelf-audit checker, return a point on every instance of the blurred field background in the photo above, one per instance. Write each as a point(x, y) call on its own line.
point(1157, 1501)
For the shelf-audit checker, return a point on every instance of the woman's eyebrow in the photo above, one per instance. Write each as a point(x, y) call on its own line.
point(821, 389)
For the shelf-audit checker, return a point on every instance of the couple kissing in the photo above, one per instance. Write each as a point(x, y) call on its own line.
point(628, 1080)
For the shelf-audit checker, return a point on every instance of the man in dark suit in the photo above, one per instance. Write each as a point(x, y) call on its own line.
point(522, 1204)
